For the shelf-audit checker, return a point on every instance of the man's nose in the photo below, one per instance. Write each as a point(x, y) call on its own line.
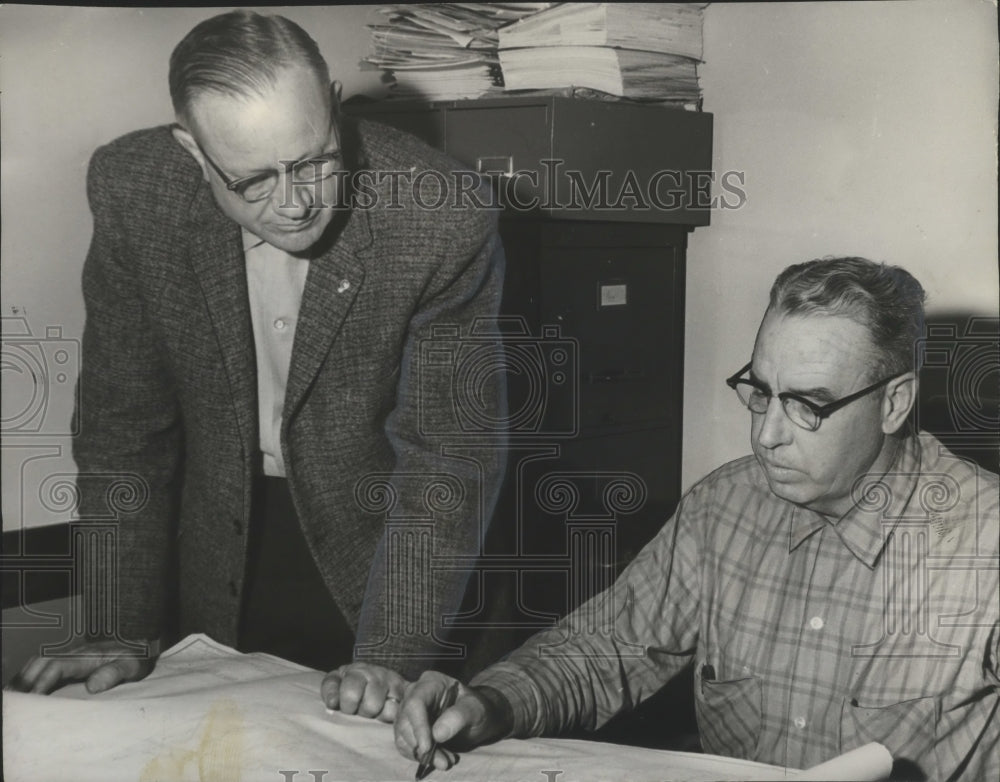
point(776, 428)
point(294, 200)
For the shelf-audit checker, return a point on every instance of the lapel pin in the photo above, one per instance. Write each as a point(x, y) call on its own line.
point(344, 285)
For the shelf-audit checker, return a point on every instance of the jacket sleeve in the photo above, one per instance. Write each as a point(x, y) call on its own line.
point(446, 478)
point(129, 435)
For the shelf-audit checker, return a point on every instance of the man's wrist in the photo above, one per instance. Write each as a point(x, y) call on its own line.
point(499, 711)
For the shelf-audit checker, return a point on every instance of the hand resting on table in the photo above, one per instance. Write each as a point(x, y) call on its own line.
point(101, 664)
point(364, 689)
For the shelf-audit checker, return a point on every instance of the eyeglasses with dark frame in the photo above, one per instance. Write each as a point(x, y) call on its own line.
point(257, 187)
point(801, 411)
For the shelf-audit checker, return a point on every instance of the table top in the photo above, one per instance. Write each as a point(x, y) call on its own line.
point(210, 714)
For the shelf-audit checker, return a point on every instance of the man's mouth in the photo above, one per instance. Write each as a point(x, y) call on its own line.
point(296, 227)
point(779, 469)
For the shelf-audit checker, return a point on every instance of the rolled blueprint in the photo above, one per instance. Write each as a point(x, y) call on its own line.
point(869, 763)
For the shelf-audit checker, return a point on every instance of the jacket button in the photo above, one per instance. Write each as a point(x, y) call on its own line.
point(232, 589)
point(237, 526)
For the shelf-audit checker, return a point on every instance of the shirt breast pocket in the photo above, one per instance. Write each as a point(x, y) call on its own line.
point(729, 715)
point(908, 729)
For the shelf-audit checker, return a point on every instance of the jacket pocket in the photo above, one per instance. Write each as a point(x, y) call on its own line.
point(729, 715)
point(907, 729)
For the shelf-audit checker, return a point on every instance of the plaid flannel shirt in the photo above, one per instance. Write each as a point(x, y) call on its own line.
point(811, 636)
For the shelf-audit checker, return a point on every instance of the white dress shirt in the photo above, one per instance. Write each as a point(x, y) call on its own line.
point(275, 281)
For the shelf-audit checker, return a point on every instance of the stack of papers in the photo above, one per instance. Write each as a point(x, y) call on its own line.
point(633, 50)
point(671, 28)
point(443, 51)
point(629, 73)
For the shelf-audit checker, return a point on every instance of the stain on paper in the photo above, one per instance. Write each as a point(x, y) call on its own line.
point(216, 757)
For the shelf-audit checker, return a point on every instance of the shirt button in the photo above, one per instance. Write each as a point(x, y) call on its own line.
point(800, 722)
point(280, 324)
point(816, 623)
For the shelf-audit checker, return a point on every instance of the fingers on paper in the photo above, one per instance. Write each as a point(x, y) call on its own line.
point(111, 674)
point(363, 689)
point(413, 726)
point(41, 675)
point(102, 667)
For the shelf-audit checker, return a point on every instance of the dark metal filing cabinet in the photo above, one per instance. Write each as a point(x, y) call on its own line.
point(600, 283)
point(573, 159)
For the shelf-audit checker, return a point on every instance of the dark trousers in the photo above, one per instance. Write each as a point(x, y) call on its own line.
point(287, 609)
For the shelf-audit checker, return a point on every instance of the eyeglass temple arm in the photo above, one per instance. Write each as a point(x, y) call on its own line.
point(731, 381)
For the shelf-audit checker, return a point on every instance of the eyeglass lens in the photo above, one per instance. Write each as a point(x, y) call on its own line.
point(757, 401)
point(305, 173)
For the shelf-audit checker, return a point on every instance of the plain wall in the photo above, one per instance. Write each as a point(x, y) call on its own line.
point(861, 128)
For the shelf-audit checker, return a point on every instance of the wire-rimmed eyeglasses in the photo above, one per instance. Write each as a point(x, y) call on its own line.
point(260, 185)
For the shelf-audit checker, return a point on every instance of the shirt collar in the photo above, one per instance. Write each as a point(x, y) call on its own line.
point(250, 241)
point(804, 524)
point(879, 505)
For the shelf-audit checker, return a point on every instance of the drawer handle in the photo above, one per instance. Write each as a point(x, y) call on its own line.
point(495, 164)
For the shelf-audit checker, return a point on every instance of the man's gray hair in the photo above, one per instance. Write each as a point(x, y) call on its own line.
point(887, 300)
point(240, 54)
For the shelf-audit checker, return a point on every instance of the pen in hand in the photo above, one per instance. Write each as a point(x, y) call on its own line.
point(426, 764)
point(429, 705)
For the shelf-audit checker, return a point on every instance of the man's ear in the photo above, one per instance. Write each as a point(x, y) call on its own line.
point(336, 93)
point(897, 401)
point(186, 140)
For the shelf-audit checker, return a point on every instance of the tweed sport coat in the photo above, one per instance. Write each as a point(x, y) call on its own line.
point(167, 412)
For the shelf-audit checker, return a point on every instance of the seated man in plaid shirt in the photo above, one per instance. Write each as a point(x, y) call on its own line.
point(840, 586)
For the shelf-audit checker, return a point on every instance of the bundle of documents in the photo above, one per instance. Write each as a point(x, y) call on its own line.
point(633, 50)
point(443, 51)
point(670, 28)
point(625, 72)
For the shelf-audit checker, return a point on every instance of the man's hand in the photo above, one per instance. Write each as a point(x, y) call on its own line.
point(443, 709)
point(365, 689)
point(103, 664)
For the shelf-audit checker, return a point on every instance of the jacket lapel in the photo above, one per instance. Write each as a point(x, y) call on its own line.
point(216, 254)
point(333, 282)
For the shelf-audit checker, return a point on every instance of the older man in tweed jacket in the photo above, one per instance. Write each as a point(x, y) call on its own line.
point(202, 233)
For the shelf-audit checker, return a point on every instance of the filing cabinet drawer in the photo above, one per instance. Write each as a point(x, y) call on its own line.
point(620, 305)
point(507, 144)
point(574, 159)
